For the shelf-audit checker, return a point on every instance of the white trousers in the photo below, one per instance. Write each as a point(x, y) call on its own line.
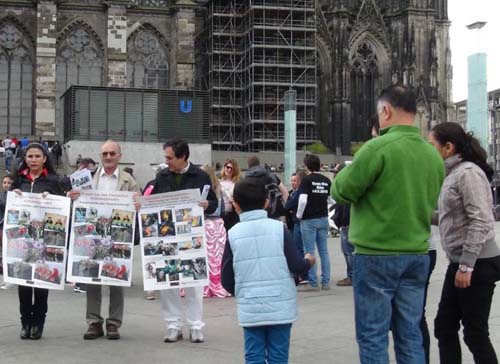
point(171, 307)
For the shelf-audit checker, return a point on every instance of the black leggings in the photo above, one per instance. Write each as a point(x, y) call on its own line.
point(33, 313)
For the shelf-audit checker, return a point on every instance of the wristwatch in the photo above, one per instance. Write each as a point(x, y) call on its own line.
point(464, 269)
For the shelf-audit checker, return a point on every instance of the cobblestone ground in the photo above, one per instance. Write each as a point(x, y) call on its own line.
point(324, 332)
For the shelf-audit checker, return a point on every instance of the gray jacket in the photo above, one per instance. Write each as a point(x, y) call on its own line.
point(466, 222)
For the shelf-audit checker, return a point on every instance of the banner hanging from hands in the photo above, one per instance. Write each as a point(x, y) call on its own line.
point(102, 238)
point(173, 241)
point(34, 239)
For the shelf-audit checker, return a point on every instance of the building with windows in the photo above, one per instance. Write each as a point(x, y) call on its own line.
point(337, 55)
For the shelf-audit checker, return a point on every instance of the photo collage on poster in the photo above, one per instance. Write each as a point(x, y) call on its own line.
point(173, 247)
point(35, 242)
point(101, 245)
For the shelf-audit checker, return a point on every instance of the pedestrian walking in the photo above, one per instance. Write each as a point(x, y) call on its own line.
point(467, 229)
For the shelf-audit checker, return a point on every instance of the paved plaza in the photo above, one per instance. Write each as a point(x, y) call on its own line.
point(324, 332)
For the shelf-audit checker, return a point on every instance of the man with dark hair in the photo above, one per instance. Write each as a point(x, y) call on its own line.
point(272, 182)
point(256, 267)
point(314, 221)
point(392, 185)
point(179, 147)
point(180, 175)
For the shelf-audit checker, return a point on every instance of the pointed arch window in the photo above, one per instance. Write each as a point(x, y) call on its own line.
point(147, 65)
point(365, 85)
point(79, 60)
point(16, 81)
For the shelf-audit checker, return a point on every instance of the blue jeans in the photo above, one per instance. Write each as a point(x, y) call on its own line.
point(297, 237)
point(347, 249)
point(315, 233)
point(389, 293)
point(267, 344)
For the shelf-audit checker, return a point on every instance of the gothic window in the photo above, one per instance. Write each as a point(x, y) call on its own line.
point(365, 79)
point(16, 82)
point(147, 65)
point(79, 61)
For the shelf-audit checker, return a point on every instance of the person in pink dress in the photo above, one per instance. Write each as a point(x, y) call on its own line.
point(216, 239)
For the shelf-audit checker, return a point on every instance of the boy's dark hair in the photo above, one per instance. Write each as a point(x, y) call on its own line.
point(400, 97)
point(253, 161)
point(312, 162)
point(179, 146)
point(250, 193)
point(8, 176)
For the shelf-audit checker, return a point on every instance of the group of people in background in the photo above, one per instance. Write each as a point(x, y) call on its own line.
point(397, 186)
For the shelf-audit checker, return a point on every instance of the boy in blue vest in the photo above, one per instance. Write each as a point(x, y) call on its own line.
point(257, 268)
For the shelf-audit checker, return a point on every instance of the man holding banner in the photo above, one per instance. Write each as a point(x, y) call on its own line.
point(107, 178)
point(180, 175)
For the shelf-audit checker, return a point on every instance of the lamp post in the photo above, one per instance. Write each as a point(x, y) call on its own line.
point(290, 133)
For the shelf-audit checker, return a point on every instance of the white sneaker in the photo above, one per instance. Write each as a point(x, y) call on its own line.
point(173, 335)
point(196, 336)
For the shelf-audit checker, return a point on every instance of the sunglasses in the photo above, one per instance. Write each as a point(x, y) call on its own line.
point(228, 167)
point(111, 154)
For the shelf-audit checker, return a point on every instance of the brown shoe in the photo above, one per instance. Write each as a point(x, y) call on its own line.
point(112, 332)
point(346, 282)
point(93, 332)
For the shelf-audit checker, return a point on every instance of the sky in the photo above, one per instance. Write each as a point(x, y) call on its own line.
point(465, 42)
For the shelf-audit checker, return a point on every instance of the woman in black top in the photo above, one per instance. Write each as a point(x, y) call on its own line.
point(35, 174)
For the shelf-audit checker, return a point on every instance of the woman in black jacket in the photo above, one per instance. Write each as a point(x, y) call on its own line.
point(36, 175)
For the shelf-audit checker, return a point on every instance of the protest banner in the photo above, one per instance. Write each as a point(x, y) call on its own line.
point(173, 242)
point(102, 238)
point(35, 234)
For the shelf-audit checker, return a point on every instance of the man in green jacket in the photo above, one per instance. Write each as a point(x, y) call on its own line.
point(392, 185)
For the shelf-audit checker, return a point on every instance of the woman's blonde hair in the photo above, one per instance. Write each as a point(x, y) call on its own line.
point(213, 178)
point(236, 170)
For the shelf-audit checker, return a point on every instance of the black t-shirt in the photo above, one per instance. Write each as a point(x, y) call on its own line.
point(317, 188)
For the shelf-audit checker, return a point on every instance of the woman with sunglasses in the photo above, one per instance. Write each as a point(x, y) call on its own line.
point(229, 176)
point(467, 229)
point(36, 175)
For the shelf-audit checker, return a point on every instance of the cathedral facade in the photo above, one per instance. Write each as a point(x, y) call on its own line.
point(48, 45)
point(366, 45)
point(362, 46)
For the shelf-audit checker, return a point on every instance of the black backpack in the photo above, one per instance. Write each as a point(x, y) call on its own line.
point(276, 206)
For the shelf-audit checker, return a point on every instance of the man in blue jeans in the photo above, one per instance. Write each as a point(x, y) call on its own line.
point(392, 185)
point(314, 223)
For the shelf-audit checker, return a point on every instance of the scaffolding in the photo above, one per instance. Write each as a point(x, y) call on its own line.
point(259, 49)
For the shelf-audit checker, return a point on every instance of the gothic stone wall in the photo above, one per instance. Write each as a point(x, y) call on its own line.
point(99, 34)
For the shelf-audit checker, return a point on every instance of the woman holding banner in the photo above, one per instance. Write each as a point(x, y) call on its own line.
point(36, 175)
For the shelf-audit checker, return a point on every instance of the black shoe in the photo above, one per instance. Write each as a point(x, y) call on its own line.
point(36, 332)
point(25, 332)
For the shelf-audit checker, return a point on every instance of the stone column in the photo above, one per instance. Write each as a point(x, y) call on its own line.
point(117, 43)
point(185, 20)
point(45, 124)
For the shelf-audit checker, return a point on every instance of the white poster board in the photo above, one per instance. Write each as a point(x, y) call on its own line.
point(173, 241)
point(102, 238)
point(81, 180)
point(34, 239)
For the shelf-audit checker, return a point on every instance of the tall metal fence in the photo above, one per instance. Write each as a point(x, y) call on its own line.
point(138, 115)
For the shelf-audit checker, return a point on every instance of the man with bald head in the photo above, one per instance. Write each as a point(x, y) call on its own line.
point(107, 178)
